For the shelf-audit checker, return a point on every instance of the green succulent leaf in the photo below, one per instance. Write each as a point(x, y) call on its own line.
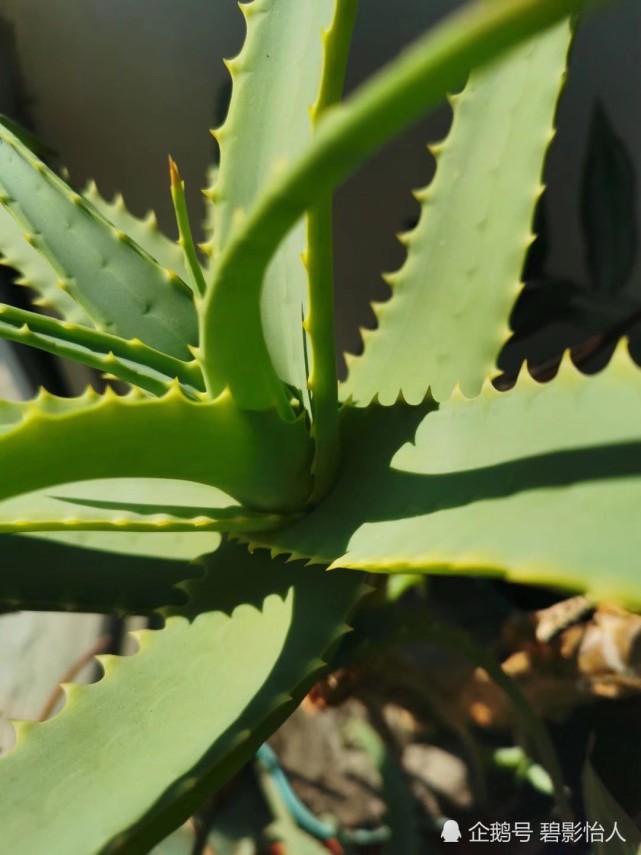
point(120, 286)
point(253, 457)
point(181, 842)
point(144, 231)
point(131, 505)
point(539, 484)
point(130, 361)
point(123, 574)
point(36, 272)
point(181, 715)
point(193, 270)
point(609, 208)
point(209, 221)
point(276, 80)
point(319, 261)
point(33, 142)
point(349, 133)
point(447, 319)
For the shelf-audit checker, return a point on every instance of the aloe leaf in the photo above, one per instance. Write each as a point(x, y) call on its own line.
point(131, 504)
point(16, 252)
point(181, 842)
point(36, 272)
point(88, 515)
point(253, 457)
point(84, 573)
point(194, 272)
point(130, 361)
point(172, 546)
point(447, 319)
point(181, 715)
point(319, 260)
point(119, 285)
point(276, 79)
point(539, 485)
point(209, 221)
point(349, 133)
point(33, 142)
point(144, 231)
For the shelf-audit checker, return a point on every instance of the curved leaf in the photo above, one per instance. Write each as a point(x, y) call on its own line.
point(276, 79)
point(121, 287)
point(180, 716)
point(253, 457)
point(90, 573)
point(447, 318)
point(319, 260)
point(145, 231)
point(130, 361)
point(36, 272)
point(131, 505)
point(349, 133)
point(539, 484)
point(194, 272)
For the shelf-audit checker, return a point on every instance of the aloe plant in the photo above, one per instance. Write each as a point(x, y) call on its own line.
point(235, 441)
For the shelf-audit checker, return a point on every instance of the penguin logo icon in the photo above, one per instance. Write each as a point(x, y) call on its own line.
point(451, 832)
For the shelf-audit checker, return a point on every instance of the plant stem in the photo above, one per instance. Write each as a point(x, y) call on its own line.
point(323, 382)
point(186, 241)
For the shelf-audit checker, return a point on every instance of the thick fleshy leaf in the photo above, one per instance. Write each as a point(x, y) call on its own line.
point(181, 715)
point(276, 79)
point(131, 505)
point(540, 484)
point(130, 361)
point(112, 574)
point(145, 231)
point(181, 842)
point(447, 318)
point(253, 457)
point(195, 276)
point(319, 324)
point(117, 283)
point(347, 135)
point(36, 273)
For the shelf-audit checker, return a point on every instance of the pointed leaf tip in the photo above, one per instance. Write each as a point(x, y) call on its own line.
point(174, 175)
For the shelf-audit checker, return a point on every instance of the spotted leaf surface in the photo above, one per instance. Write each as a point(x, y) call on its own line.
point(539, 484)
point(119, 286)
point(447, 318)
point(180, 716)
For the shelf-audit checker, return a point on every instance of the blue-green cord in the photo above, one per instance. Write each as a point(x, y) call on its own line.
point(304, 818)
